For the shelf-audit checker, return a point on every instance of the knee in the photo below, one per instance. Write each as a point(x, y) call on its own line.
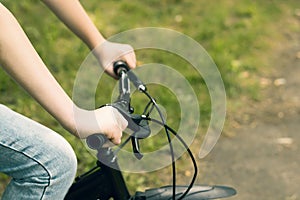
point(64, 163)
point(61, 167)
point(59, 159)
point(49, 171)
point(70, 164)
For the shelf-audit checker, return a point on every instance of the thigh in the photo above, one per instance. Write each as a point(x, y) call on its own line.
point(41, 162)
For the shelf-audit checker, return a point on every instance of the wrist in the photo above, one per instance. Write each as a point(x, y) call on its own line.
point(68, 120)
point(95, 40)
point(81, 122)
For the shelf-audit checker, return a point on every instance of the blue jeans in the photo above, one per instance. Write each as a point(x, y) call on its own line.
point(42, 163)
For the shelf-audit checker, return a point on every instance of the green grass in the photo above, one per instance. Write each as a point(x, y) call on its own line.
point(238, 34)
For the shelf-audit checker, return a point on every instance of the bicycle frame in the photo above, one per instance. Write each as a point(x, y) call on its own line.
point(105, 181)
point(102, 182)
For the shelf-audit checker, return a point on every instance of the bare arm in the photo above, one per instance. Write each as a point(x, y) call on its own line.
point(74, 16)
point(21, 61)
point(76, 19)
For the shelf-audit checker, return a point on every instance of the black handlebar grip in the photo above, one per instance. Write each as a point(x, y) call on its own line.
point(96, 141)
point(120, 66)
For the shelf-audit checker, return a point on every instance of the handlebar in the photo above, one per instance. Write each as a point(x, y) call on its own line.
point(135, 122)
point(139, 123)
point(96, 141)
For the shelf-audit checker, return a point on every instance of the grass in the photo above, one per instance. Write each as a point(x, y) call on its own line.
point(238, 34)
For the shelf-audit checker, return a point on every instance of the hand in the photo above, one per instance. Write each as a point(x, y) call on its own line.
point(108, 52)
point(106, 120)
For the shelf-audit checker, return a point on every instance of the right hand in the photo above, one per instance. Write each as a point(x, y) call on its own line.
point(106, 120)
point(109, 52)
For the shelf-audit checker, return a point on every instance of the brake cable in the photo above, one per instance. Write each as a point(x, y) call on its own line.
point(167, 129)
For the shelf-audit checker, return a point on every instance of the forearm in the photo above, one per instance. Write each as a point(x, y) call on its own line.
point(74, 16)
point(21, 61)
point(76, 19)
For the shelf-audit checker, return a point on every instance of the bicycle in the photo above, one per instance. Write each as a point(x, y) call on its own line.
point(105, 180)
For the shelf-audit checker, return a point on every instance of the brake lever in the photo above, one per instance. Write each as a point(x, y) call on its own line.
point(140, 127)
point(137, 123)
point(136, 148)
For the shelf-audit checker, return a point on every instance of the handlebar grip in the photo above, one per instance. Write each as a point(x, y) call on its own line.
point(96, 141)
point(120, 66)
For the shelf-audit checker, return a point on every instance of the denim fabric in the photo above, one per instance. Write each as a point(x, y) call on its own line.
point(42, 163)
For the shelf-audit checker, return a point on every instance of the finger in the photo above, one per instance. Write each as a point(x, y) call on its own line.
point(116, 141)
point(110, 72)
point(131, 60)
point(122, 122)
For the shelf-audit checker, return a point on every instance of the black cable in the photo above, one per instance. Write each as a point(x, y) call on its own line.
point(147, 107)
point(167, 128)
point(169, 141)
point(147, 111)
point(188, 150)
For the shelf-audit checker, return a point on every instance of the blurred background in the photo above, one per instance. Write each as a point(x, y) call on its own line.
point(255, 45)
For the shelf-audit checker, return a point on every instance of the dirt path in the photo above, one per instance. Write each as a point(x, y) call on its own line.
point(263, 160)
